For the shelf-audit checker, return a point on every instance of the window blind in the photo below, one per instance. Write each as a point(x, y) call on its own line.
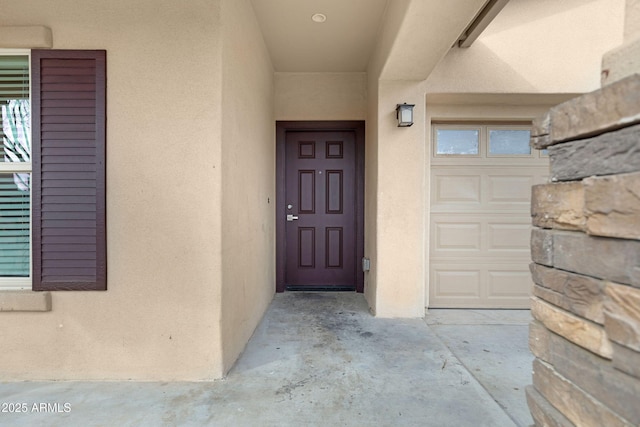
point(14, 225)
point(14, 86)
point(14, 77)
point(15, 133)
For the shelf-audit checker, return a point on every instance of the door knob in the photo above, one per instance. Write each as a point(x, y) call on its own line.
point(291, 217)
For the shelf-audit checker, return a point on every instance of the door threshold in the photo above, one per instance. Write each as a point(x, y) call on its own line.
point(328, 288)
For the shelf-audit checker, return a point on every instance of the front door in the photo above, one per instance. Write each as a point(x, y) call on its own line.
point(320, 210)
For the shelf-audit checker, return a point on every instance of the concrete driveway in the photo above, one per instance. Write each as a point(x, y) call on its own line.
point(320, 359)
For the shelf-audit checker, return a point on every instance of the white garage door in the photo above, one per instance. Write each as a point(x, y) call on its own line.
point(481, 178)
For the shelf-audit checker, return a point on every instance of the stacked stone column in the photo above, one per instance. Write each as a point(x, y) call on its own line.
point(586, 262)
point(585, 248)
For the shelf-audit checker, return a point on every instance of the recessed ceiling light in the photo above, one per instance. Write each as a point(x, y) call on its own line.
point(319, 17)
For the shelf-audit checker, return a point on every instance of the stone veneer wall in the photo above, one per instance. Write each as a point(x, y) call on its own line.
point(586, 262)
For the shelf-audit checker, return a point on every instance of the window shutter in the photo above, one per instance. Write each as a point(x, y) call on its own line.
point(68, 208)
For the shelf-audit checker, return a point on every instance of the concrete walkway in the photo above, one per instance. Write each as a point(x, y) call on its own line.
point(493, 345)
point(320, 359)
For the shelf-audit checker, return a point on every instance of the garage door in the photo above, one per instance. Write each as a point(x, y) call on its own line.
point(481, 178)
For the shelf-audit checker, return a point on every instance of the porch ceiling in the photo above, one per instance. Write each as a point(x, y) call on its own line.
point(408, 37)
point(343, 43)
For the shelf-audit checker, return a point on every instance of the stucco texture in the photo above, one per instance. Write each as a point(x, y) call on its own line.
point(248, 178)
point(191, 104)
point(320, 96)
point(543, 46)
point(162, 317)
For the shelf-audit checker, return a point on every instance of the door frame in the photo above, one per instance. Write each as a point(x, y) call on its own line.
point(282, 127)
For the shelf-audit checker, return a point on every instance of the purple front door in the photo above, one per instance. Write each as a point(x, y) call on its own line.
point(321, 205)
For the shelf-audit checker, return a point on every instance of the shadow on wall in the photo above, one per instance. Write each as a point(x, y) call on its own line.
point(476, 69)
point(535, 47)
point(522, 12)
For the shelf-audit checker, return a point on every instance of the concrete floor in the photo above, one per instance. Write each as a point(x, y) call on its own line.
point(320, 359)
point(493, 345)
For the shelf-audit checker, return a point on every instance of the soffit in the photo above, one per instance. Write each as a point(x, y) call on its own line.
point(343, 43)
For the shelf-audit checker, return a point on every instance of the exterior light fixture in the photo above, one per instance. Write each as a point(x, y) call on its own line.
point(404, 114)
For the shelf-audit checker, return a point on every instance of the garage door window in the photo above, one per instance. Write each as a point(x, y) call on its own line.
point(470, 140)
point(509, 142)
point(464, 142)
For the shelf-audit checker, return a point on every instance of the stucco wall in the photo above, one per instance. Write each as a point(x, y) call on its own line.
point(160, 317)
point(320, 96)
point(248, 178)
point(373, 244)
point(535, 46)
point(400, 207)
point(371, 193)
point(632, 20)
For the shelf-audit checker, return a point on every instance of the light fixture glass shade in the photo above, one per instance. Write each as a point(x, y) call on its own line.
point(404, 114)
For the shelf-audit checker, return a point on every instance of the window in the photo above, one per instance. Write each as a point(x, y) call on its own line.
point(509, 142)
point(52, 173)
point(15, 171)
point(483, 140)
point(457, 141)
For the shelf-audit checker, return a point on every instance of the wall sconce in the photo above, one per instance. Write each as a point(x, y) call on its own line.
point(404, 114)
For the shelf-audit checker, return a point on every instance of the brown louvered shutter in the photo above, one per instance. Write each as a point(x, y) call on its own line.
point(68, 211)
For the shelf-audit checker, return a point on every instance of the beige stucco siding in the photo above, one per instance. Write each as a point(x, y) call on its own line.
point(400, 203)
point(160, 318)
point(320, 96)
point(371, 193)
point(556, 47)
point(248, 178)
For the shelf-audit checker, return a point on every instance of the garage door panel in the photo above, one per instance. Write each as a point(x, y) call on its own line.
point(457, 189)
point(480, 222)
point(505, 283)
point(514, 238)
point(509, 189)
point(476, 285)
point(457, 237)
point(457, 282)
point(484, 236)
